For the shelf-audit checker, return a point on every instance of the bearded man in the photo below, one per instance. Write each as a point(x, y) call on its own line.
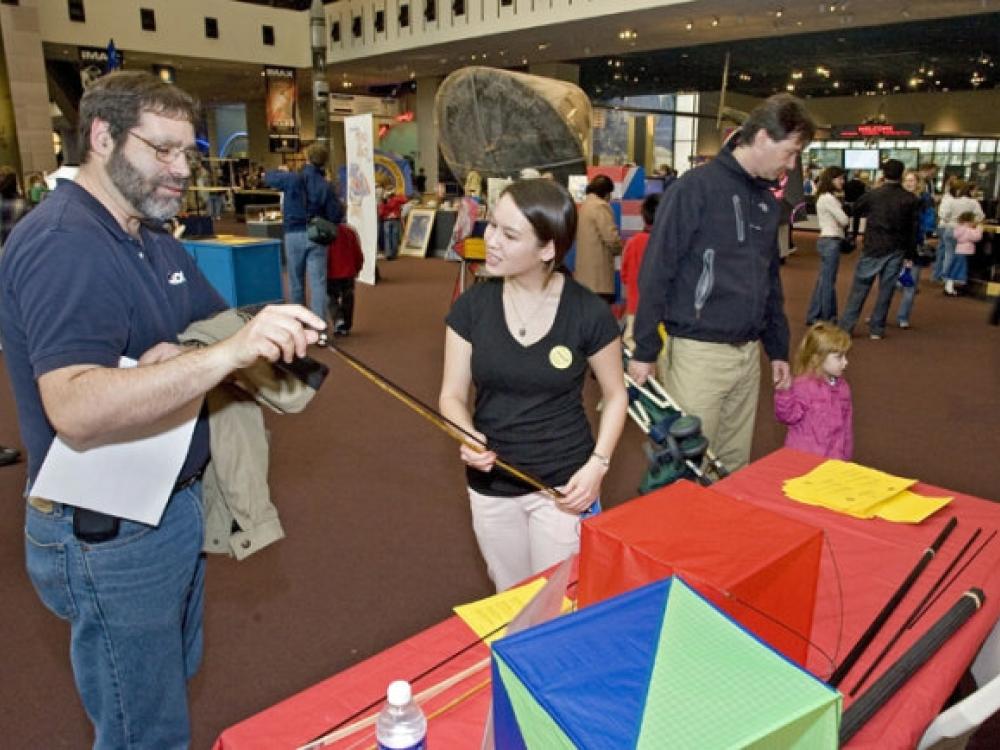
point(87, 278)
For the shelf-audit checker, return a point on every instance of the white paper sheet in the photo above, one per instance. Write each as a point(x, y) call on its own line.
point(131, 478)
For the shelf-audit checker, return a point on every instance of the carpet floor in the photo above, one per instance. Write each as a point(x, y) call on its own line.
point(372, 498)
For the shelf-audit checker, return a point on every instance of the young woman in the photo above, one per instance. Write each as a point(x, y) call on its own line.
point(526, 339)
point(832, 227)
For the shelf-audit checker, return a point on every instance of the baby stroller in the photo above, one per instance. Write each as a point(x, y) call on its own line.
point(676, 448)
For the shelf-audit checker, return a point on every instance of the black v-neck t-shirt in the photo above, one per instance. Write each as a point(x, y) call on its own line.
point(529, 399)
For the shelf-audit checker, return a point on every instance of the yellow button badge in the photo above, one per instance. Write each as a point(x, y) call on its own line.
point(560, 357)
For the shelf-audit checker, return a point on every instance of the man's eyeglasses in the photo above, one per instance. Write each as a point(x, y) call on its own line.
point(169, 154)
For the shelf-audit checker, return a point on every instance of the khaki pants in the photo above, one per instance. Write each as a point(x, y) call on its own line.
point(523, 535)
point(719, 383)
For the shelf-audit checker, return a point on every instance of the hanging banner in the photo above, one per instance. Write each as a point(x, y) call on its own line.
point(94, 63)
point(362, 212)
point(280, 106)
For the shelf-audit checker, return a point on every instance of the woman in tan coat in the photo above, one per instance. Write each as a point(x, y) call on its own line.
point(597, 240)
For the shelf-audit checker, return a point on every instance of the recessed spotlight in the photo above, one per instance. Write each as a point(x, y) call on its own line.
point(689, 25)
point(543, 46)
point(628, 35)
point(796, 75)
point(779, 12)
point(715, 20)
point(836, 84)
point(789, 87)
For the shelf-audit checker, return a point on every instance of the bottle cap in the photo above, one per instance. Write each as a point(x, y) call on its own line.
point(399, 693)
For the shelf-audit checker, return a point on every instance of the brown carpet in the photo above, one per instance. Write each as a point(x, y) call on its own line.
point(372, 498)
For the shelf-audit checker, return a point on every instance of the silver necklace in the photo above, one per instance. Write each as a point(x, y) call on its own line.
point(522, 331)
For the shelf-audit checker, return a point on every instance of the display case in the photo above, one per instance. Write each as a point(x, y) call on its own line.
point(244, 270)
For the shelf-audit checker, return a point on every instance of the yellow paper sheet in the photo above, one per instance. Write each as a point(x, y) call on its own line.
point(846, 487)
point(862, 492)
point(909, 507)
point(488, 614)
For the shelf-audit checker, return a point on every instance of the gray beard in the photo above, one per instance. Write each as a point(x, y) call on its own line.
point(141, 192)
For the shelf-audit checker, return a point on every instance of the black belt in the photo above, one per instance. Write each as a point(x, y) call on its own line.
point(183, 484)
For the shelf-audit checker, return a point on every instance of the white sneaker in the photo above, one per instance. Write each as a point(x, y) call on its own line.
point(904, 324)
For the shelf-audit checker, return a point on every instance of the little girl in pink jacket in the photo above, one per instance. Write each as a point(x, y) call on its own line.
point(817, 406)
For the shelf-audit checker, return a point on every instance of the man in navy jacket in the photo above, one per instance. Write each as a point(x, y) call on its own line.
point(307, 193)
point(710, 274)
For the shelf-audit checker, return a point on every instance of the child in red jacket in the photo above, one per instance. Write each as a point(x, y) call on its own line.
point(344, 260)
point(635, 249)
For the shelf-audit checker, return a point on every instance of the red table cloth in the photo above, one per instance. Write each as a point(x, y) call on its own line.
point(862, 564)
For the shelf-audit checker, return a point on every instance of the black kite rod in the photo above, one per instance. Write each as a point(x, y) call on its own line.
point(915, 614)
point(433, 416)
point(958, 573)
point(869, 635)
point(939, 585)
point(915, 657)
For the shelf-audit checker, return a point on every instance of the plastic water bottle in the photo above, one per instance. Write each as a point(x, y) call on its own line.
point(401, 724)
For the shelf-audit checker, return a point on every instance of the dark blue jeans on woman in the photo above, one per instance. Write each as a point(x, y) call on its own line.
point(823, 305)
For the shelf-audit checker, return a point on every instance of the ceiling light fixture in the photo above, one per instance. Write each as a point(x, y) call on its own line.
point(543, 46)
point(789, 87)
point(628, 35)
point(796, 75)
point(689, 25)
point(779, 12)
point(715, 21)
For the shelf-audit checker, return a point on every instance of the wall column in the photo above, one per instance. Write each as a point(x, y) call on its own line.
point(25, 119)
point(427, 133)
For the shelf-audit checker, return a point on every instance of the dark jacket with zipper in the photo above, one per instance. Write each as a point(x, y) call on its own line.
point(710, 272)
point(893, 217)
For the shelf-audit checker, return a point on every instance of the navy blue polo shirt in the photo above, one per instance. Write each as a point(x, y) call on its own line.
point(76, 289)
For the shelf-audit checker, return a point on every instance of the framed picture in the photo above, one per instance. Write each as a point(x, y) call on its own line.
point(418, 232)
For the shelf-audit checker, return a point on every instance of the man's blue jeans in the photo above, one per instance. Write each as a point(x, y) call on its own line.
point(306, 265)
point(134, 604)
point(823, 305)
point(886, 269)
point(909, 293)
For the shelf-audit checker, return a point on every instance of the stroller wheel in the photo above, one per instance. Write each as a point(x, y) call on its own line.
point(685, 427)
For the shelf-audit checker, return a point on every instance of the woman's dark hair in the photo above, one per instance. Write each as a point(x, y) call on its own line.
point(8, 183)
point(549, 209)
point(826, 178)
point(649, 204)
point(601, 186)
point(121, 98)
